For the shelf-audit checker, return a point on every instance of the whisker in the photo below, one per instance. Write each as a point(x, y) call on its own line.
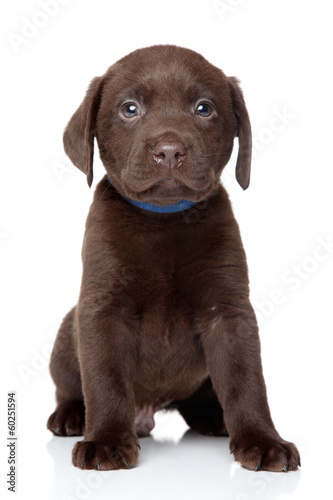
point(210, 154)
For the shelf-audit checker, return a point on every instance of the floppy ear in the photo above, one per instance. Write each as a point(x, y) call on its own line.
point(81, 130)
point(243, 165)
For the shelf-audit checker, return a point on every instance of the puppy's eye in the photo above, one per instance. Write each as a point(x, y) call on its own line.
point(204, 109)
point(130, 110)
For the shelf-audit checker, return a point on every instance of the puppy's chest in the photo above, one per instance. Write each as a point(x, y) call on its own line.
point(162, 285)
point(164, 304)
point(157, 273)
point(160, 297)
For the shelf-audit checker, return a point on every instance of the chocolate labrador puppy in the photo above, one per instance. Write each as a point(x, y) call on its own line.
point(163, 318)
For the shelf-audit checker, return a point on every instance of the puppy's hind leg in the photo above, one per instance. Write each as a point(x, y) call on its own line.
point(203, 412)
point(68, 418)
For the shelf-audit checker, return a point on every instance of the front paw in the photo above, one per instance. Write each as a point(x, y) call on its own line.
point(120, 453)
point(68, 419)
point(265, 453)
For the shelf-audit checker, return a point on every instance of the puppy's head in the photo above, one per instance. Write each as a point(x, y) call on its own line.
point(165, 121)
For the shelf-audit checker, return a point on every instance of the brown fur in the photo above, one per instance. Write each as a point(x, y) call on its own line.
point(163, 318)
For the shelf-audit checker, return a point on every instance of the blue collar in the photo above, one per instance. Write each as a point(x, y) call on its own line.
point(151, 207)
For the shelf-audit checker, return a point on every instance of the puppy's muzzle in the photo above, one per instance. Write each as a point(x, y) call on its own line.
point(169, 154)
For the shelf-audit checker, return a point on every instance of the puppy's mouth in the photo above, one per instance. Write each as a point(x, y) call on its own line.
point(167, 189)
point(168, 182)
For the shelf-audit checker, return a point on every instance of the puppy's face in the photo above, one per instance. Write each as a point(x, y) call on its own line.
point(165, 120)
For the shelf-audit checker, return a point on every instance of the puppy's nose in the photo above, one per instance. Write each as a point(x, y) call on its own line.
point(169, 154)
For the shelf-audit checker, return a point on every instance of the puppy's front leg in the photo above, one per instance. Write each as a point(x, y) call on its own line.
point(232, 349)
point(106, 353)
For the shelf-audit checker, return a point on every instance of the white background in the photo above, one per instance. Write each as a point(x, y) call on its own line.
point(282, 53)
